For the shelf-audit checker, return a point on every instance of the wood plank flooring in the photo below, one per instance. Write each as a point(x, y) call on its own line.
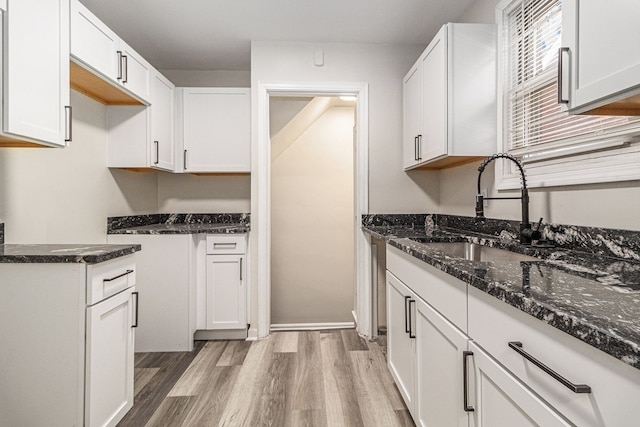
point(321, 378)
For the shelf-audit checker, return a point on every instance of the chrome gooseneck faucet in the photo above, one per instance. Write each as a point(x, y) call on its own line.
point(527, 234)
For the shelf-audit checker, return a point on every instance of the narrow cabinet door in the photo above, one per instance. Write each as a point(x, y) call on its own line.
point(501, 400)
point(136, 72)
point(36, 65)
point(226, 292)
point(440, 348)
point(162, 142)
point(109, 359)
point(412, 114)
point(435, 109)
point(400, 345)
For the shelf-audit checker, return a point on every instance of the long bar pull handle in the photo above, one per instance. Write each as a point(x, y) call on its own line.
point(465, 382)
point(184, 158)
point(125, 74)
point(406, 316)
point(157, 144)
point(561, 51)
point(240, 268)
point(419, 147)
point(415, 147)
point(118, 276)
point(119, 77)
point(68, 121)
point(135, 319)
point(411, 334)
point(576, 388)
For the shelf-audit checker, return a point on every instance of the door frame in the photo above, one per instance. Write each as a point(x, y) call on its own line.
point(261, 196)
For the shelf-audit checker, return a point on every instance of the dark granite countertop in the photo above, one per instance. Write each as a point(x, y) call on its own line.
point(591, 296)
point(88, 254)
point(179, 224)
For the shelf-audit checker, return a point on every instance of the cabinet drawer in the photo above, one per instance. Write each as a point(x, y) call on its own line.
point(615, 386)
point(110, 277)
point(225, 244)
point(445, 293)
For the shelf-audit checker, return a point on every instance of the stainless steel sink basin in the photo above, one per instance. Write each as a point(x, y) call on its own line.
point(475, 252)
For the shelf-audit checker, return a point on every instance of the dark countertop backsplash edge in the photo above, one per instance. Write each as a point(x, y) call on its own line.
point(129, 221)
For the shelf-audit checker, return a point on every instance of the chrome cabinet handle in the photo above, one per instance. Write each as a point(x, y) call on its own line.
point(411, 334)
point(135, 319)
point(406, 316)
point(119, 77)
point(419, 144)
point(415, 147)
point(157, 152)
point(68, 116)
point(118, 276)
point(240, 269)
point(576, 388)
point(561, 50)
point(465, 382)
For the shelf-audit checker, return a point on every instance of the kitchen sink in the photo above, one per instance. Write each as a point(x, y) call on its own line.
point(476, 252)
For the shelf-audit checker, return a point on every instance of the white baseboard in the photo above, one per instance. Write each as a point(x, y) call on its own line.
point(226, 334)
point(311, 326)
point(252, 334)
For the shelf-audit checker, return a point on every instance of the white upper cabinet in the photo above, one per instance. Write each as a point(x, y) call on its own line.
point(105, 67)
point(214, 129)
point(600, 63)
point(162, 138)
point(450, 99)
point(142, 137)
point(35, 75)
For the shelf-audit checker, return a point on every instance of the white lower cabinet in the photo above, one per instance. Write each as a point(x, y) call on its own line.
point(428, 352)
point(67, 335)
point(503, 401)
point(401, 353)
point(425, 356)
point(440, 356)
point(109, 359)
point(226, 294)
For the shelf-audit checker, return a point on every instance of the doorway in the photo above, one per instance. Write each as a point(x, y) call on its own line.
point(261, 197)
point(312, 211)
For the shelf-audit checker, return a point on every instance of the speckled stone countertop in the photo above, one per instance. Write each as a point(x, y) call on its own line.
point(587, 285)
point(179, 224)
point(88, 254)
point(1, 233)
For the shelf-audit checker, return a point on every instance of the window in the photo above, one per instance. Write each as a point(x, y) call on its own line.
point(557, 148)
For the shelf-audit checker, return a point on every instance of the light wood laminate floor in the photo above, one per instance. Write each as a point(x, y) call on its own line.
point(328, 378)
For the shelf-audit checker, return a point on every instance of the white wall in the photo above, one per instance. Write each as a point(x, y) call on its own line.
point(50, 195)
point(312, 245)
point(614, 205)
point(186, 193)
point(382, 67)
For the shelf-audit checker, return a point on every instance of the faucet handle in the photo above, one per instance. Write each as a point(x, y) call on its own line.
point(539, 224)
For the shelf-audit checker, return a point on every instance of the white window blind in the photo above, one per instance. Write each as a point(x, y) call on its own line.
point(534, 120)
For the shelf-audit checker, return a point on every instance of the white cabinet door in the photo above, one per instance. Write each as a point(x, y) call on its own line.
point(503, 401)
point(400, 344)
point(604, 52)
point(412, 108)
point(162, 145)
point(136, 72)
point(109, 359)
point(226, 292)
point(36, 71)
point(434, 95)
point(440, 356)
point(93, 43)
point(216, 129)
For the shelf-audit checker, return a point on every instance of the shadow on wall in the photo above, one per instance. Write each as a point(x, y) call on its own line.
point(132, 185)
point(429, 182)
point(4, 197)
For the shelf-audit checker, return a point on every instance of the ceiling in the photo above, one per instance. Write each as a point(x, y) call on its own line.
point(217, 34)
